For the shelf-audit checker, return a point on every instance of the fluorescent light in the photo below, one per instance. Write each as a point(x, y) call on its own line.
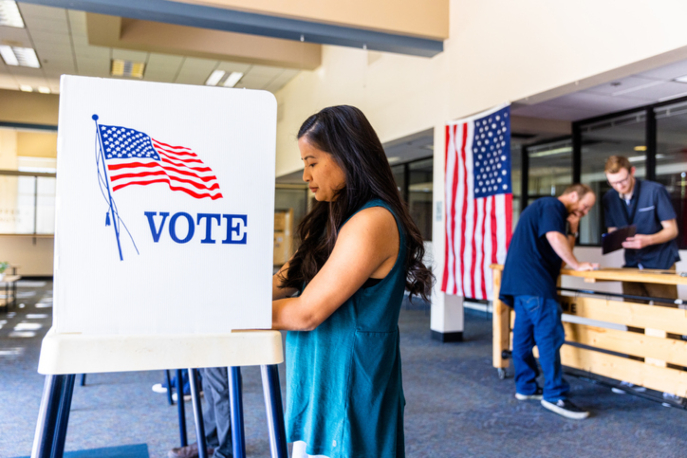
point(8, 55)
point(18, 56)
point(233, 78)
point(214, 78)
point(640, 148)
point(27, 57)
point(10, 15)
point(26, 88)
point(552, 152)
point(681, 79)
point(127, 68)
point(43, 90)
point(393, 159)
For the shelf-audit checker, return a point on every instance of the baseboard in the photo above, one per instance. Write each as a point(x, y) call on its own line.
point(446, 337)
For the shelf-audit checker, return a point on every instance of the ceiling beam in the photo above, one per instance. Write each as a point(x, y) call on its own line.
point(227, 20)
point(122, 33)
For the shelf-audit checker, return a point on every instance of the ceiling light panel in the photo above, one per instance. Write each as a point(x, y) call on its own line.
point(214, 78)
point(27, 57)
point(8, 55)
point(233, 79)
point(127, 68)
point(10, 15)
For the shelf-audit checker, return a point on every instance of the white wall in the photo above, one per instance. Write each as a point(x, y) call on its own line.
point(32, 259)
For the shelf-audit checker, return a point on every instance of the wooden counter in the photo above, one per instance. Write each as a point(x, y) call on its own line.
point(656, 337)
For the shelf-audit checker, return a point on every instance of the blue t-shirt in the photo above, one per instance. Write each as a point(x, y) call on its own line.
point(532, 266)
point(650, 204)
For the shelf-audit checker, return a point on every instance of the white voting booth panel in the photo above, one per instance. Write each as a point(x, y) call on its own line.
point(164, 208)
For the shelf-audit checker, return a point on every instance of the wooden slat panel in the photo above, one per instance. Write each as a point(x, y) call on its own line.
point(667, 319)
point(657, 378)
point(500, 325)
point(664, 277)
point(629, 343)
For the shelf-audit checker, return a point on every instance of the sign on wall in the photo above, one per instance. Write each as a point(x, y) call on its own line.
point(165, 207)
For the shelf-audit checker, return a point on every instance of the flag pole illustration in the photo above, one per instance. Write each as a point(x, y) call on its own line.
point(115, 218)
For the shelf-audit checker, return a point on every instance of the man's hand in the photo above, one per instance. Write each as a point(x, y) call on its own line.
point(587, 266)
point(638, 241)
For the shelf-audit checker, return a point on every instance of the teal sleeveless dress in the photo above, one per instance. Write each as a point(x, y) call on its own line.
point(344, 394)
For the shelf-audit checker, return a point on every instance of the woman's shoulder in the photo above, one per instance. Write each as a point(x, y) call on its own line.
point(372, 218)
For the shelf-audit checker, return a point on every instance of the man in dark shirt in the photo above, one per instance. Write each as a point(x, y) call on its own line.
point(539, 246)
point(645, 204)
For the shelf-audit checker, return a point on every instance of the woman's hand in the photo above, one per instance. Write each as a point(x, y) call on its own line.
point(367, 246)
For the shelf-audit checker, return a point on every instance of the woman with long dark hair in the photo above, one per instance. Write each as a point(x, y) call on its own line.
point(359, 251)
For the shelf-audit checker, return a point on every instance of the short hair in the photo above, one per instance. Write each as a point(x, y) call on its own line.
point(580, 189)
point(615, 163)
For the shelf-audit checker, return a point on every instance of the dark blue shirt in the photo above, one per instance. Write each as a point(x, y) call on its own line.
point(532, 266)
point(650, 204)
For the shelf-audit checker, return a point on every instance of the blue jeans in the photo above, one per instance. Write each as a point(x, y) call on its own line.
point(538, 322)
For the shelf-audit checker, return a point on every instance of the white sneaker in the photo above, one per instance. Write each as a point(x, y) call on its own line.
point(158, 388)
point(627, 386)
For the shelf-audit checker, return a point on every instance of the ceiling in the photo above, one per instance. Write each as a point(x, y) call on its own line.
point(60, 39)
point(651, 86)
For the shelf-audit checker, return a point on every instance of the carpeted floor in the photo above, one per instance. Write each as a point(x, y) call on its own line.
point(456, 405)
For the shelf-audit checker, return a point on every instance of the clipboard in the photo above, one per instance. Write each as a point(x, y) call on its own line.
point(613, 241)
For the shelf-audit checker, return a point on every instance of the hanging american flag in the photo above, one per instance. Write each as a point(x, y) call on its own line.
point(134, 158)
point(478, 196)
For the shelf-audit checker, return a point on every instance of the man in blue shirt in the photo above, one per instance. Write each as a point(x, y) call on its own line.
point(538, 248)
point(647, 205)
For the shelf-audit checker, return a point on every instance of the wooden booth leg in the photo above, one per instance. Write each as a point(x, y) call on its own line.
point(275, 412)
point(235, 397)
point(181, 409)
point(198, 413)
point(53, 416)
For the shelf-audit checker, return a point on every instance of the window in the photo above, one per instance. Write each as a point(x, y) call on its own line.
point(415, 184)
point(420, 186)
point(550, 169)
point(671, 160)
point(624, 136)
point(27, 181)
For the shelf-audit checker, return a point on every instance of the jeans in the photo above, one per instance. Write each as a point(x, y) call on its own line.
point(538, 322)
point(217, 417)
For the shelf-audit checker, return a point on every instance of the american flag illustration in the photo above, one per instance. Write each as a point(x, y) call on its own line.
point(135, 158)
point(479, 197)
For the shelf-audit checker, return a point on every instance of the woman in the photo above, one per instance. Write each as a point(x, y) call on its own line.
point(359, 251)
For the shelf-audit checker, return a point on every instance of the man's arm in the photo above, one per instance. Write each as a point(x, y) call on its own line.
point(668, 233)
point(561, 245)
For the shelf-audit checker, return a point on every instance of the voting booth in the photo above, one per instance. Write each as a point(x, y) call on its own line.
point(163, 241)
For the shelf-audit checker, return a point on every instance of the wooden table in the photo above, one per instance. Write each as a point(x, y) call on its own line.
point(654, 345)
point(10, 282)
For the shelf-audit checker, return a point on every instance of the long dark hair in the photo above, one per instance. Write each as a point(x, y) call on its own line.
point(345, 133)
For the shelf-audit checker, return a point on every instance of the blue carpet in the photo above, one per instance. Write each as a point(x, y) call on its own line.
point(122, 451)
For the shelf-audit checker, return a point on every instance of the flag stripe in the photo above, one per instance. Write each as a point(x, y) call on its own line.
point(197, 195)
point(447, 205)
point(484, 243)
point(165, 145)
point(494, 237)
point(464, 212)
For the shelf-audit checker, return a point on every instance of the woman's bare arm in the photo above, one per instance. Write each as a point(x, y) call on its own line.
point(366, 246)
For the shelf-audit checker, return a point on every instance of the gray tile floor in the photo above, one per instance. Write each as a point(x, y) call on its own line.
point(457, 407)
